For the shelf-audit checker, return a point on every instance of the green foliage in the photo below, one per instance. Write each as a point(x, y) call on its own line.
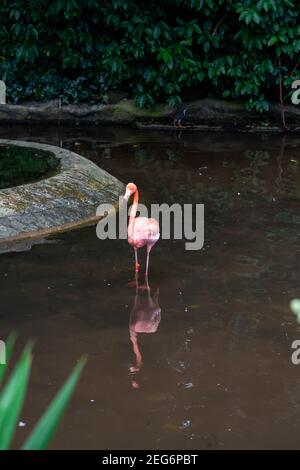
point(295, 307)
point(48, 423)
point(157, 50)
point(20, 165)
point(12, 397)
point(8, 352)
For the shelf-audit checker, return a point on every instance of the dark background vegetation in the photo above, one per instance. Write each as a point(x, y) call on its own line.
point(155, 50)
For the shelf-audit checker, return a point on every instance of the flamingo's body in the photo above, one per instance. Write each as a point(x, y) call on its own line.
point(142, 231)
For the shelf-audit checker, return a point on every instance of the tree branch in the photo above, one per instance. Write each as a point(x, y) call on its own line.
point(221, 20)
point(281, 95)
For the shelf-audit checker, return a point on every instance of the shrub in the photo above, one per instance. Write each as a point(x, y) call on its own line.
point(169, 50)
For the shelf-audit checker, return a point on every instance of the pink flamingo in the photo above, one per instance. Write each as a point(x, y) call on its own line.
point(141, 230)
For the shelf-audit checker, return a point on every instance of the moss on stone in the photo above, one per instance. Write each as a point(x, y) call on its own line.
point(19, 165)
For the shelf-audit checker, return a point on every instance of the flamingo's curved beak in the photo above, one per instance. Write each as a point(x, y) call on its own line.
point(127, 195)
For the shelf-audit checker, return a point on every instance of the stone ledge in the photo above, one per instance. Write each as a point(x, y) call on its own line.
point(59, 203)
point(202, 115)
point(124, 112)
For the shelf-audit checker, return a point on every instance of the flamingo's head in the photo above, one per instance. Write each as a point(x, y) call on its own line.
point(130, 190)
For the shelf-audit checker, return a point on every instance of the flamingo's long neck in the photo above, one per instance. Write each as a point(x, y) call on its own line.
point(133, 210)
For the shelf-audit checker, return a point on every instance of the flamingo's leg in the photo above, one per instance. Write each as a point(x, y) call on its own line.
point(147, 285)
point(147, 264)
point(137, 266)
point(137, 353)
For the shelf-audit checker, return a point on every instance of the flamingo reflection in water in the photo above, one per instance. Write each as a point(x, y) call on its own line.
point(145, 317)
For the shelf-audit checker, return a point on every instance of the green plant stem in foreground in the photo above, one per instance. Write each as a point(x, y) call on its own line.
point(12, 397)
point(46, 426)
point(295, 307)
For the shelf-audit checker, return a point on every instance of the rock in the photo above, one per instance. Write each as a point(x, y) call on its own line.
point(292, 113)
point(115, 96)
point(214, 114)
point(62, 202)
point(123, 112)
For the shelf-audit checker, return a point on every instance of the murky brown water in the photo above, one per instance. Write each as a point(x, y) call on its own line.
point(217, 373)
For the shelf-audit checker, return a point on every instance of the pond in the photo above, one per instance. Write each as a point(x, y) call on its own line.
point(216, 371)
point(24, 165)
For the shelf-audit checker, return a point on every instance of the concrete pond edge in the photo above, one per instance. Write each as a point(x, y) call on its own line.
point(204, 115)
point(61, 202)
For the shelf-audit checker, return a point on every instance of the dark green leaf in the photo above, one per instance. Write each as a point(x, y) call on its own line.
point(48, 423)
